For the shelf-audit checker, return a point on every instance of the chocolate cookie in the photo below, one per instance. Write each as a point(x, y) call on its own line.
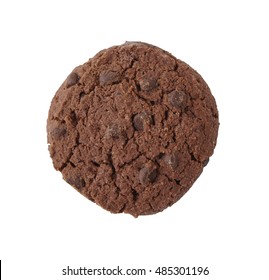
point(132, 128)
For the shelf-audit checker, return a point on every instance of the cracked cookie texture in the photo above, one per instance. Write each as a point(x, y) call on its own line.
point(132, 128)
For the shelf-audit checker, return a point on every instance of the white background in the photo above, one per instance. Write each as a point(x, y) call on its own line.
point(221, 223)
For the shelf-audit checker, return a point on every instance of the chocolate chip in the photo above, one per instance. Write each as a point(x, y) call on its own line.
point(177, 99)
point(205, 162)
point(147, 84)
point(109, 77)
point(141, 119)
point(76, 182)
point(72, 79)
point(59, 132)
point(147, 175)
point(171, 160)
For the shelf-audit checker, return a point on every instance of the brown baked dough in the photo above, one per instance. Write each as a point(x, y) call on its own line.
point(132, 128)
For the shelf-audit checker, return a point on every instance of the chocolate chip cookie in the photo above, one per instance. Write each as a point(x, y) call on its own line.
point(132, 128)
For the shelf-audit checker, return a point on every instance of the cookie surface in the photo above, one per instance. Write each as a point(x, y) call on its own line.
point(132, 128)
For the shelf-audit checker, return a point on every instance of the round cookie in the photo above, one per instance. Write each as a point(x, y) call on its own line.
point(132, 128)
